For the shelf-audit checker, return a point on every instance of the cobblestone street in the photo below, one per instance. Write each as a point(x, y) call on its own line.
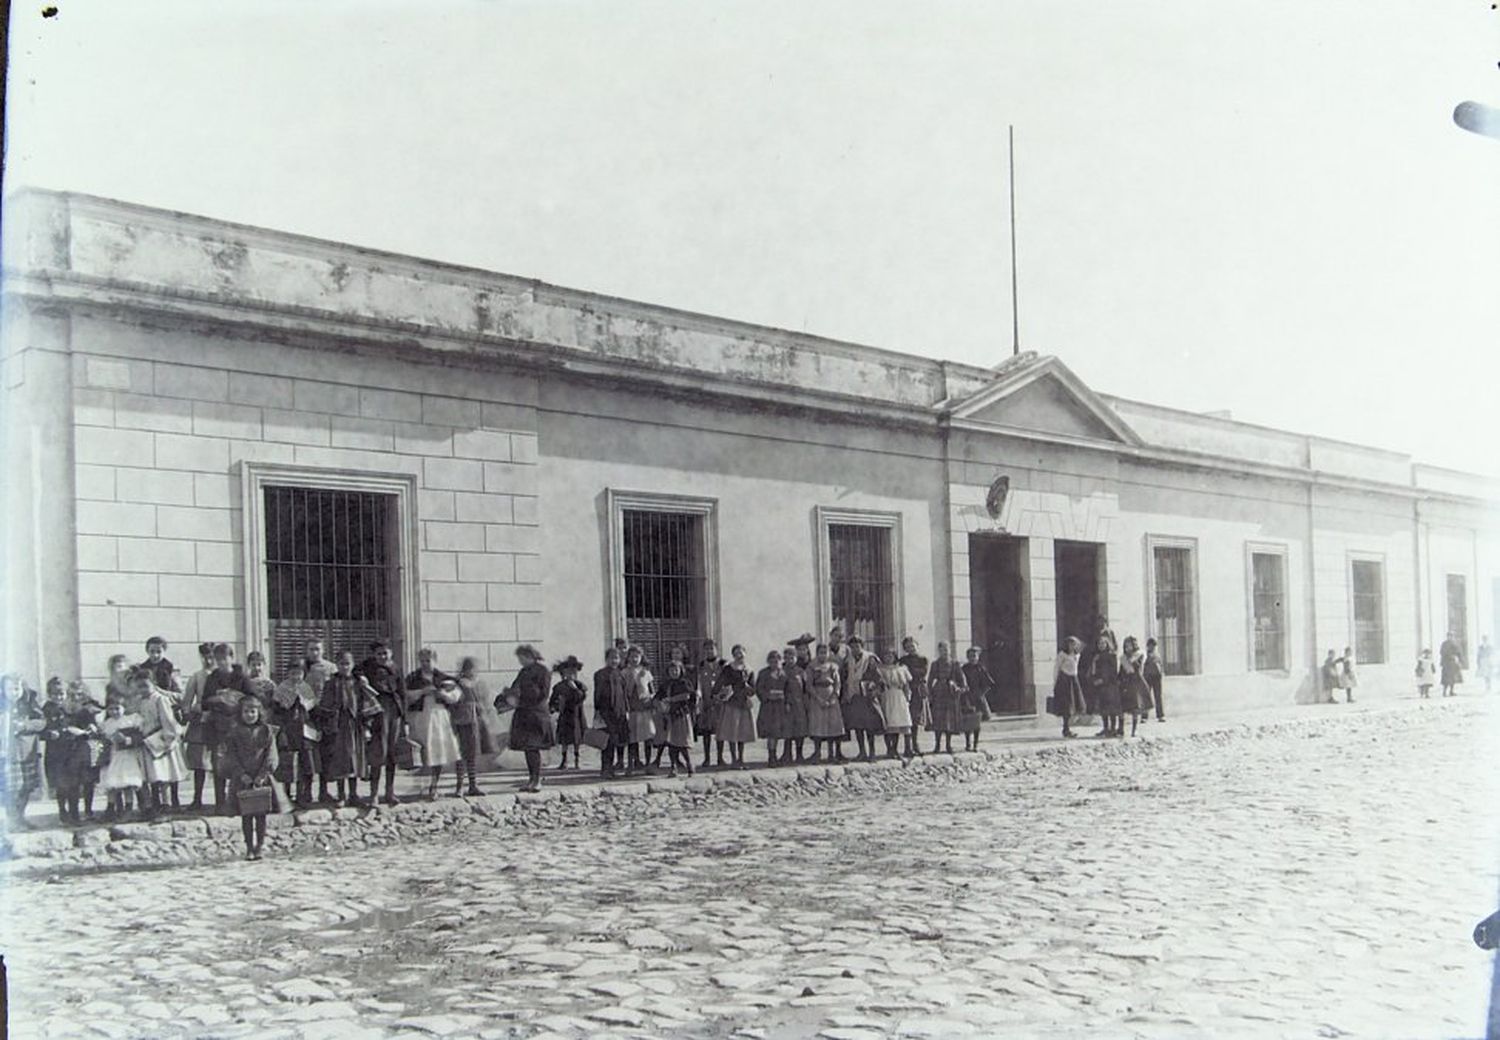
point(1320, 882)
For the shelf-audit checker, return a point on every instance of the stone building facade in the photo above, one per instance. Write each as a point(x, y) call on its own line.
point(217, 432)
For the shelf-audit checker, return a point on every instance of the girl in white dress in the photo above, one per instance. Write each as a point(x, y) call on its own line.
point(123, 771)
point(430, 694)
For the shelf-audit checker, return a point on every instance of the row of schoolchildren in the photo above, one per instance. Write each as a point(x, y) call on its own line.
point(333, 720)
point(1115, 680)
point(823, 692)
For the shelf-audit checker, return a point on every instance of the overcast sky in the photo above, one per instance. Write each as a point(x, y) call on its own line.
point(1262, 207)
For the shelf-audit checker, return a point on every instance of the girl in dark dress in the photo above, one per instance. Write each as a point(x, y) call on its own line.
point(611, 708)
point(796, 703)
point(678, 692)
point(77, 728)
point(568, 699)
point(389, 730)
point(249, 762)
point(531, 723)
point(54, 709)
point(774, 721)
point(978, 678)
point(1104, 680)
point(706, 721)
point(297, 755)
point(921, 716)
point(945, 683)
point(340, 714)
point(862, 714)
point(472, 736)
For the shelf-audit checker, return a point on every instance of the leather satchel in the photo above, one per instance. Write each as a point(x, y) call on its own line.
point(254, 801)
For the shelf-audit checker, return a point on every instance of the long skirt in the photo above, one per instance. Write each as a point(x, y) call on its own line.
point(677, 731)
point(920, 708)
point(169, 768)
point(384, 733)
point(736, 724)
point(706, 721)
point(642, 726)
point(1107, 699)
point(1067, 696)
point(944, 712)
point(970, 711)
point(897, 710)
point(122, 770)
point(824, 721)
point(861, 715)
point(659, 722)
point(796, 716)
point(432, 728)
point(570, 725)
point(1135, 695)
point(343, 753)
point(774, 721)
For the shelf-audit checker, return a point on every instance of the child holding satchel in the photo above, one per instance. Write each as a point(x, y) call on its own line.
point(250, 759)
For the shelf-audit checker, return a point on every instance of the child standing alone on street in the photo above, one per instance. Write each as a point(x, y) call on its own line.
point(249, 761)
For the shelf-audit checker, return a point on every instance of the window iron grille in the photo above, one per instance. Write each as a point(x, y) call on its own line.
point(1268, 576)
point(1174, 608)
point(331, 572)
point(1367, 586)
point(862, 583)
point(666, 583)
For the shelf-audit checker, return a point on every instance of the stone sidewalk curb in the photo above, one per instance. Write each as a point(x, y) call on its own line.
point(206, 839)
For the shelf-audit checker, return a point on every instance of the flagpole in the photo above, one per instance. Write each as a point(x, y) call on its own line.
point(1015, 317)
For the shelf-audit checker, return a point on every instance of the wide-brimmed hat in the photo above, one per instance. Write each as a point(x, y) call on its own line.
point(803, 640)
point(568, 662)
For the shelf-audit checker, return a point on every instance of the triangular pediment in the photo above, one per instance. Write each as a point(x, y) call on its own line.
point(1041, 395)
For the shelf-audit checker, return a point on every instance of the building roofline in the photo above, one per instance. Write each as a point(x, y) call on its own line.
point(481, 277)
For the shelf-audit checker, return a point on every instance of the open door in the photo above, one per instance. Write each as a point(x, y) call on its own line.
point(996, 600)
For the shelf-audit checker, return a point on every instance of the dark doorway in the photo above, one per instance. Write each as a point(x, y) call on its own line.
point(996, 603)
point(1080, 585)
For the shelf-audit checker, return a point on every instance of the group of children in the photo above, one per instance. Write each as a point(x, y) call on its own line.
point(262, 742)
point(823, 692)
point(1114, 682)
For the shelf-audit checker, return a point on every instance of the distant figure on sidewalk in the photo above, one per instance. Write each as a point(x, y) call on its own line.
point(1154, 674)
point(1348, 680)
point(1484, 661)
point(1426, 673)
point(1331, 674)
point(1451, 658)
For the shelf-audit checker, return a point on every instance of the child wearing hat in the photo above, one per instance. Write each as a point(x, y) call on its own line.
point(567, 701)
